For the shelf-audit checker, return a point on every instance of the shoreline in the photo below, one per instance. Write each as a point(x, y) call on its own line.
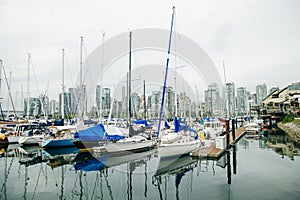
point(292, 129)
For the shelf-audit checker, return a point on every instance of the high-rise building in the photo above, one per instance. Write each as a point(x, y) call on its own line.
point(242, 101)
point(98, 97)
point(135, 105)
point(106, 101)
point(212, 100)
point(155, 103)
point(261, 93)
point(67, 104)
point(73, 101)
point(230, 99)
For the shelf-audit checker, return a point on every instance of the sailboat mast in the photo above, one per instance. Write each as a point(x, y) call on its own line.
point(166, 74)
point(63, 86)
point(10, 97)
point(81, 42)
point(129, 80)
point(28, 73)
point(145, 109)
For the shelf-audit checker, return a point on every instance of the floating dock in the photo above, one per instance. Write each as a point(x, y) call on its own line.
point(213, 152)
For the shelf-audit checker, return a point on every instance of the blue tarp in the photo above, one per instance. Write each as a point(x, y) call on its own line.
point(179, 126)
point(113, 137)
point(142, 121)
point(167, 126)
point(91, 165)
point(92, 134)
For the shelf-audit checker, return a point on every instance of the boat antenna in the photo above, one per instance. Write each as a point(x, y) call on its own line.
point(166, 74)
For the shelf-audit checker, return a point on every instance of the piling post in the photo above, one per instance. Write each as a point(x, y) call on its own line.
point(233, 130)
point(242, 120)
point(236, 123)
point(227, 135)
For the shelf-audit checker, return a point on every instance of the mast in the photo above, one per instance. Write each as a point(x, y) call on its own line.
point(166, 74)
point(81, 42)
point(145, 109)
point(129, 79)
point(10, 97)
point(63, 86)
point(28, 73)
point(0, 90)
point(102, 65)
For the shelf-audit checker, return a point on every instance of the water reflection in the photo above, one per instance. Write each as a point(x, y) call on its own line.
point(33, 173)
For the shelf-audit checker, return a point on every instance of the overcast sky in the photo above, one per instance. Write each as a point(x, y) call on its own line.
point(259, 40)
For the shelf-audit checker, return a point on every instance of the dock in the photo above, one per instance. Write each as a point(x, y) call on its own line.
point(213, 152)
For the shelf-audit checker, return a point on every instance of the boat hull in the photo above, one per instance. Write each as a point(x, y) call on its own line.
point(177, 149)
point(129, 147)
point(31, 140)
point(57, 143)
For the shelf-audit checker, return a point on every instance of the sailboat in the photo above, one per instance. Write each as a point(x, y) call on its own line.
point(134, 142)
point(63, 134)
point(182, 140)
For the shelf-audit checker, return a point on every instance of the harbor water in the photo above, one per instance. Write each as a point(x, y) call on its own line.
point(265, 168)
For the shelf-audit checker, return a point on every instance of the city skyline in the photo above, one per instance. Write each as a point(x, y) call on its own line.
point(258, 42)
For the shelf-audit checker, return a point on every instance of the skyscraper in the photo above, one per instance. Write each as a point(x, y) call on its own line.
point(230, 99)
point(212, 100)
point(242, 101)
point(261, 93)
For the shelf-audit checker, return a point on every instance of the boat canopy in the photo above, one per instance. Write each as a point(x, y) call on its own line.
point(95, 133)
point(179, 126)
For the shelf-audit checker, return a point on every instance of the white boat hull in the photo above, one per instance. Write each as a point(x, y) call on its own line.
point(13, 139)
point(177, 149)
point(31, 140)
point(128, 146)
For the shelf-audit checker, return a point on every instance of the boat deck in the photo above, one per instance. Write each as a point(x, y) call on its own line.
point(212, 151)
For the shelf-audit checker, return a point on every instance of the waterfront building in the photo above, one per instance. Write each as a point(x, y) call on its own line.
point(242, 101)
point(261, 93)
point(282, 101)
point(212, 100)
point(273, 89)
point(106, 102)
point(230, 99)
point(98, 97)
point(135, 104)
point(155, 101)
point(67, 104)
point(73, 102)
point(170, 102)
point(45, 104)
point(35, 106)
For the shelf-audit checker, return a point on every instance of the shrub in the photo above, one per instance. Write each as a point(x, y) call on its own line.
point(288, 118)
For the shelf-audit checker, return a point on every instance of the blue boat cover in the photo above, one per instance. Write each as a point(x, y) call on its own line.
point(179, 126)
point(91, 134)
point(167, 126)
point(142, 121)
point(113, 137)
point(93, 164)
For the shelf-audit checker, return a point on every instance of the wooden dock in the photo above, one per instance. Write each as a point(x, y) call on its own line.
point(213, 152)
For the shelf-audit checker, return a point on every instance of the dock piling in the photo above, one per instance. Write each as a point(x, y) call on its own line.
point(227, 135)
point(233, 130)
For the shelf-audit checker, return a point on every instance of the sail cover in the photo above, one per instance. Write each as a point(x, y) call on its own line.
point(91, 134)
point(179, 126)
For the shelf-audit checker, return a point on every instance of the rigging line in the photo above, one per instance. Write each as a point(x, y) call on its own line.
point(8, 88)
point(37, 85)
point(37, 182)
point(68, 67)
point(95, 185)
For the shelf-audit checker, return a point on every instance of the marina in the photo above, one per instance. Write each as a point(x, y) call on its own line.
point(145, 111)
point(33, 173)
